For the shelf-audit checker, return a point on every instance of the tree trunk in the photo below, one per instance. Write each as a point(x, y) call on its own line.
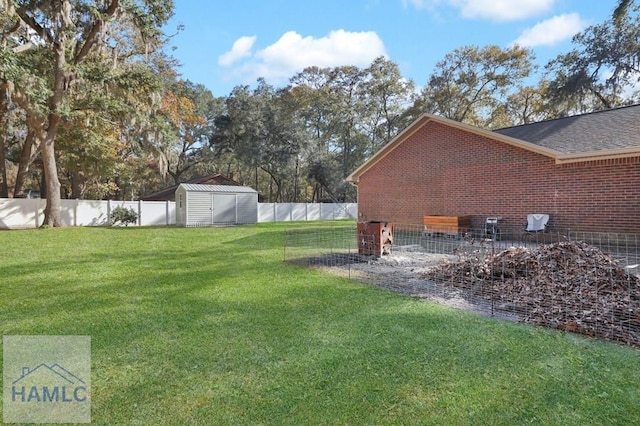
point(26, 159)
point(4, 128)
point(76, 186)
point(296, 183)
point(43, 185)
point(256, 188)
point(52, 212)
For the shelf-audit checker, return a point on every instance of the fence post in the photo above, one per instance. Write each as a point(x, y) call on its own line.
point(108, 212)
point(139, 212)
point(75, 213)
point(166, 212)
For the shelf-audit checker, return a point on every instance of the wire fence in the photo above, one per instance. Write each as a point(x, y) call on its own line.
point(581, 282)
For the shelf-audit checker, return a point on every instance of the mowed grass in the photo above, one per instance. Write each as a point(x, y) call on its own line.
point(209, 326)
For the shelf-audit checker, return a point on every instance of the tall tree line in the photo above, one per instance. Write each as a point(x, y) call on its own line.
point(91, 105)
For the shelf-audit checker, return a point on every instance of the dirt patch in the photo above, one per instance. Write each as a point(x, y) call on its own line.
point(404, 272)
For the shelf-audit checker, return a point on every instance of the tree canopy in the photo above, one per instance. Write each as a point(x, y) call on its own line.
point(92, 105)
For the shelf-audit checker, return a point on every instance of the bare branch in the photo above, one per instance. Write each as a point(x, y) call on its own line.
point(23, 47)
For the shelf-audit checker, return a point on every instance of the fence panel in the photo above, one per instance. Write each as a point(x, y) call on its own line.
point(21, 213)
point(155, 213)
point(266, 212)
point(345, 211)
point(91, 212)
point(283, 212)
point(313, 211)
point(327, 211)
point(298, 211)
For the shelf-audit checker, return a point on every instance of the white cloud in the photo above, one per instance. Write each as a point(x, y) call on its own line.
point(241, 49)
point(502, 10)
point(494, 10)
point(552, 31)
point(421, 4)
point(292, 53)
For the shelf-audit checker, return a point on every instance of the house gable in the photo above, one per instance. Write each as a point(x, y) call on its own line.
point(604, 135)
point(424, 120)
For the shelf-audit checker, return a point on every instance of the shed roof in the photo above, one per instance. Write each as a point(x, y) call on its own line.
point(168, 193)
point(613, 133)
point(193, 187)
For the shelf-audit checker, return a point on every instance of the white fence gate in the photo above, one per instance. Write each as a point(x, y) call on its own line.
point(16, 213)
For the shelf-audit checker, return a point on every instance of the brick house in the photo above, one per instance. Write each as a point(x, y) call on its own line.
point(584, 171)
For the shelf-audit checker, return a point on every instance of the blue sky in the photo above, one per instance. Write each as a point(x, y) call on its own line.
point(233, 42)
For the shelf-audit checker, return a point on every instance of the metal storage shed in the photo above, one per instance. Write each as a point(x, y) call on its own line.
point(207, 205)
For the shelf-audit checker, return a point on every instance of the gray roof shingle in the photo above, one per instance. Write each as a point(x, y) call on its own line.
point(596, 131)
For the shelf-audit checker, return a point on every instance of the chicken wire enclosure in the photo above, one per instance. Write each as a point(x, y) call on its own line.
point(208, 205)
point(586, 283)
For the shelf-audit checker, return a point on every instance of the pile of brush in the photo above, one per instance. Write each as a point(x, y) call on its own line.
point(568, 285)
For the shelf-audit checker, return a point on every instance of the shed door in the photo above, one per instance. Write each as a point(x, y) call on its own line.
point(223, 208)
point(198, 208)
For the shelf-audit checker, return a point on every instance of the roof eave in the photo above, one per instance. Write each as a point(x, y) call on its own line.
point(608, 154)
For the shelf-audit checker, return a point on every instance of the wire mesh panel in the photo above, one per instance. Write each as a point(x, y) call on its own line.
point(587, 283)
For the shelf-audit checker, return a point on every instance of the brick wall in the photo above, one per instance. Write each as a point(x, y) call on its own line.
point(441, 170)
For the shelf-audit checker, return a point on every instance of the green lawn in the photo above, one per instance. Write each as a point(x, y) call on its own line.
point(209, 326)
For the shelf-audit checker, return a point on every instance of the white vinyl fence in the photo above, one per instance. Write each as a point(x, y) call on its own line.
point(283, 212)
point(16, 213)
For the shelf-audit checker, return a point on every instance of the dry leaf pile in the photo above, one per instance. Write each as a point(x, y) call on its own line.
point(568, 285)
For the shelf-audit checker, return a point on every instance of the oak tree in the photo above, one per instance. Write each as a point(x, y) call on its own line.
point(66, 35)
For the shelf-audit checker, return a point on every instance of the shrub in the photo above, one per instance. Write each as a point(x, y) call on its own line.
point(123, 215)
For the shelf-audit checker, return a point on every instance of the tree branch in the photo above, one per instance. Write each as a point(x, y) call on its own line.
point(18, 97)
point(34, 25)
point(23, 47)
point(95, 31)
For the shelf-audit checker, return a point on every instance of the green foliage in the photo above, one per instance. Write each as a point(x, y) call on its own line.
point(123, 216)
point(603, 69)
point(472, 82)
